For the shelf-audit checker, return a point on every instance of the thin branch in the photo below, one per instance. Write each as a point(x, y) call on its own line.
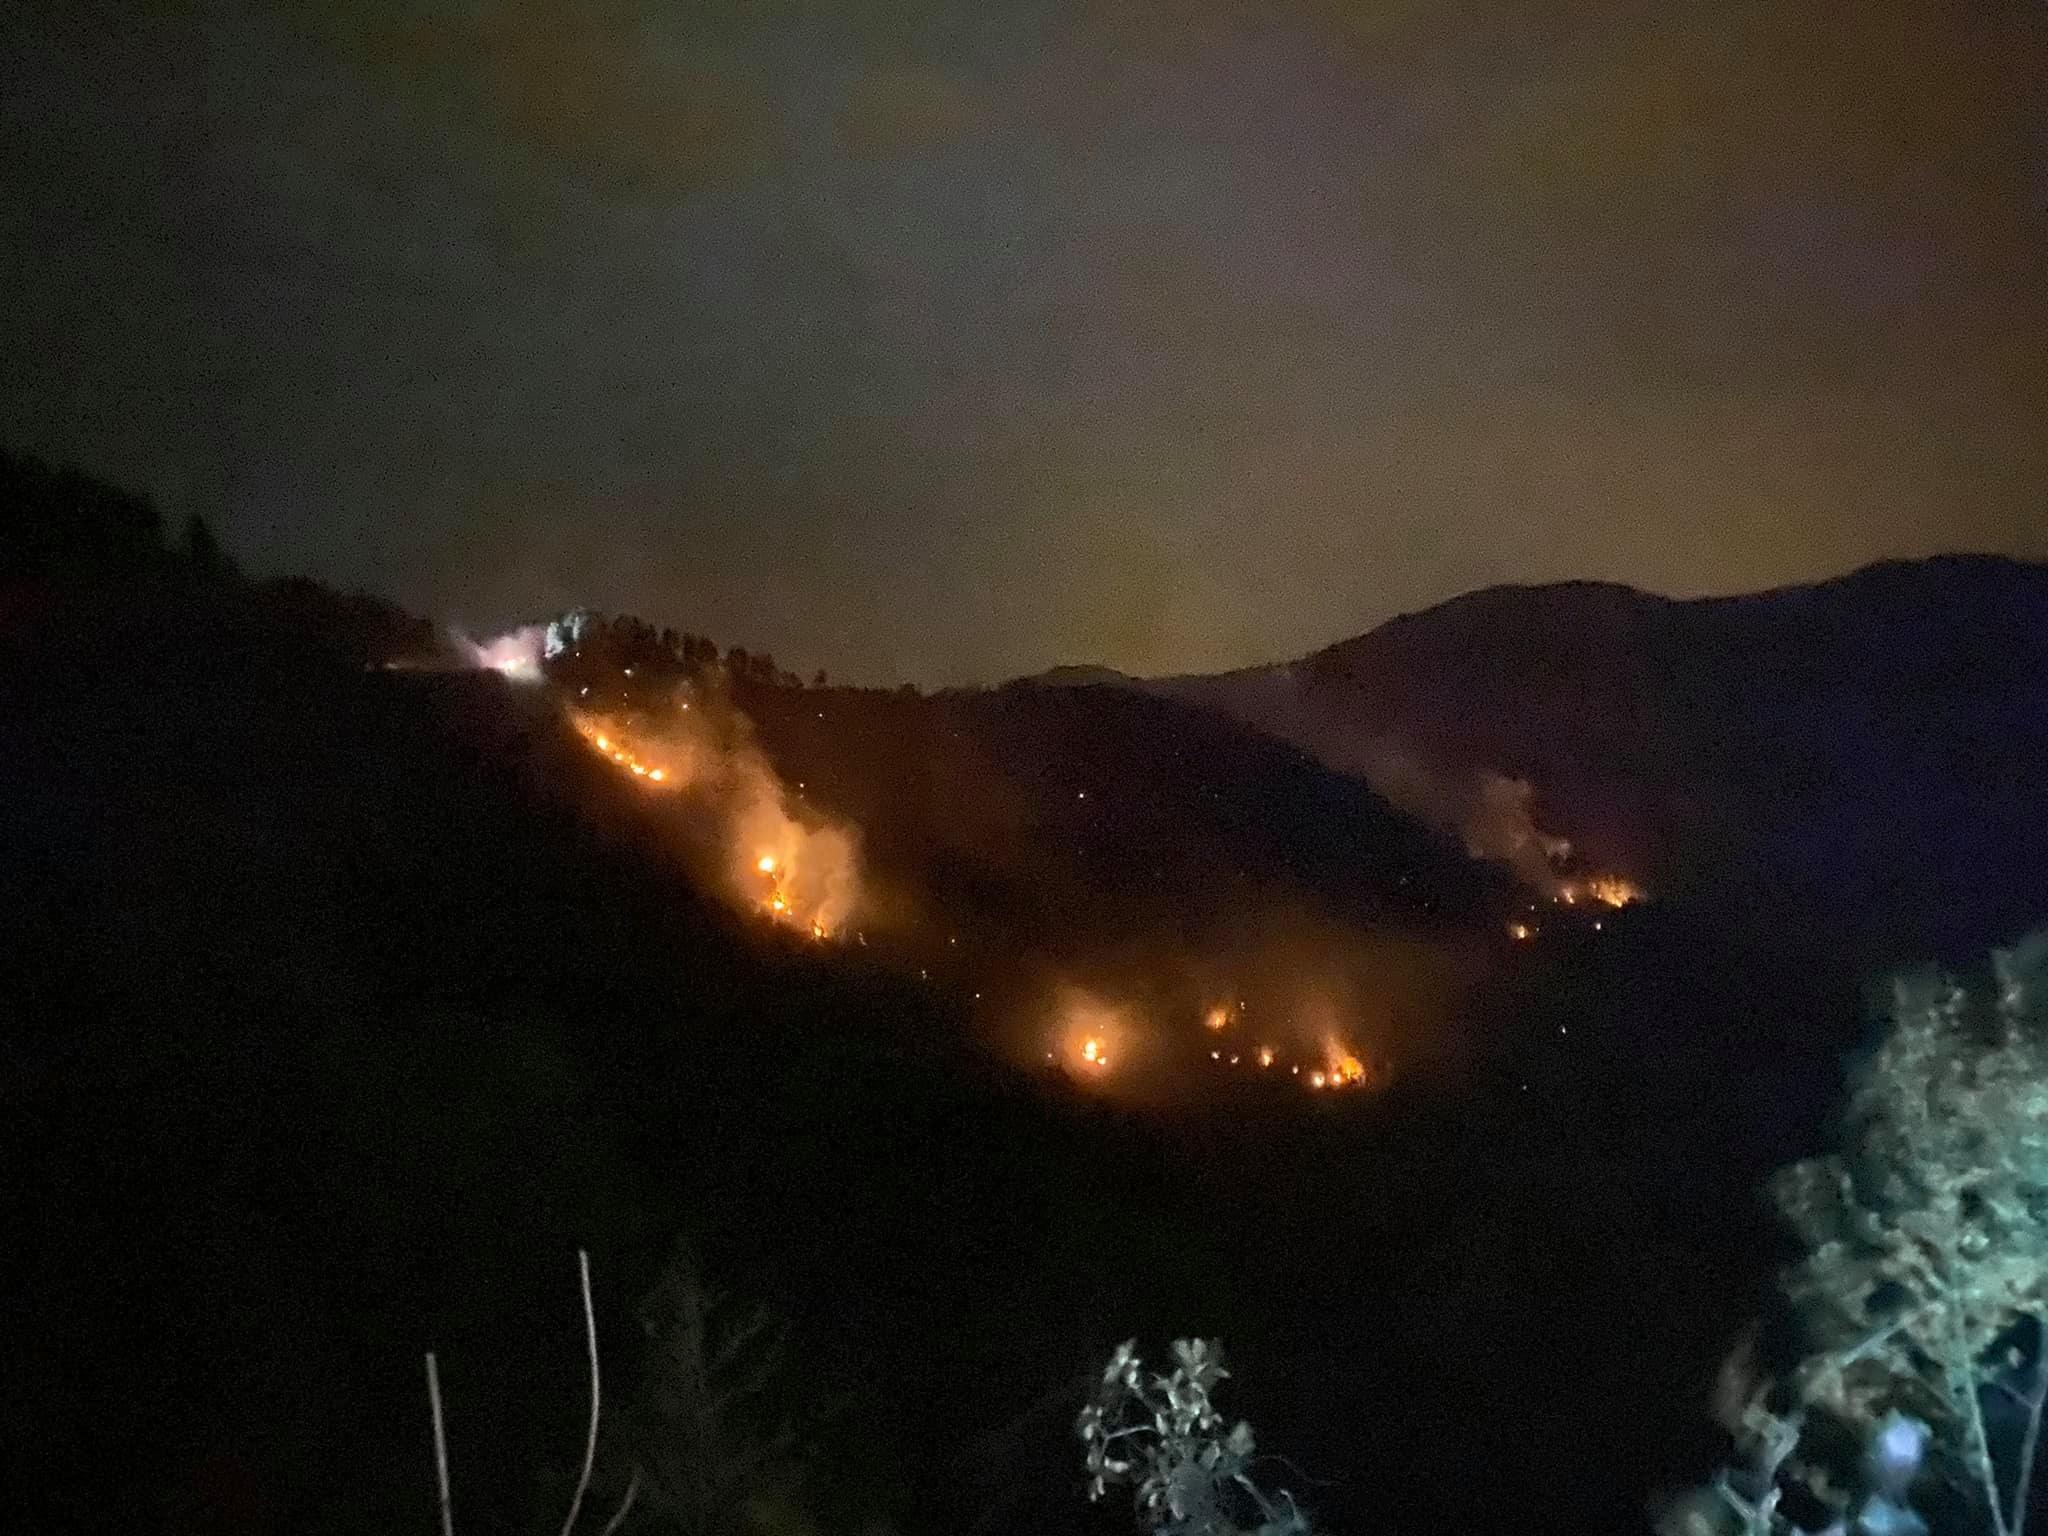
point(440, 1445)
point(2023, 1479)
point(619, 1514)
point(1963, 1389)
point(590, 1444)
point(1876, 1340)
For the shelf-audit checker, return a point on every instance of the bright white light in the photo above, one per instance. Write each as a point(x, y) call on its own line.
point(516, 655)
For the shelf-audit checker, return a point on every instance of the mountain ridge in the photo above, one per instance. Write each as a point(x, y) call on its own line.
point(1716, 742)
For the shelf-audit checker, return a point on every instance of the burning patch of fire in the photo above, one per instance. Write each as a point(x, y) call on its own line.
point(1600, 890)
point(795, 873)
point(655, 772)
point(1093, 1040)
point(1090, 1034)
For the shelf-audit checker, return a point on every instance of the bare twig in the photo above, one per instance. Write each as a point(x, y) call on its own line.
point(2024, 1477)
point(1963, 1392)
point(590, 1444)
point(625, 1504)
point(440, 1445)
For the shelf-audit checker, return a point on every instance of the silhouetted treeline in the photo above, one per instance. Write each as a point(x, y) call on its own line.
point(600, 648)
point(64, 522)
point(90, 583)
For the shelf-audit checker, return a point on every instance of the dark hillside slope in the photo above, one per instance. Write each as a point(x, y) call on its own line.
point(348, 1004)
point(345, 1006)
point(1117, 808)
point(1024, 839)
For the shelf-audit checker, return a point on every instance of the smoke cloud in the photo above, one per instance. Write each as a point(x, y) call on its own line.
point(1494, 813)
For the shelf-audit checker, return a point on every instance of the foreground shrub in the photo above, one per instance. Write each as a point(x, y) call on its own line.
point(1919, 1373)
point(1162, 1437)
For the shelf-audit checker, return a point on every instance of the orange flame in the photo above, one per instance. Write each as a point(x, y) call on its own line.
point(1607, 890)
point(645, 769)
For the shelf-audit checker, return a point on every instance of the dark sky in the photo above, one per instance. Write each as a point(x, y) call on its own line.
point(946, 339)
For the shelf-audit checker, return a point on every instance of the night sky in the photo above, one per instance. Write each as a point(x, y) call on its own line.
point(949, 339)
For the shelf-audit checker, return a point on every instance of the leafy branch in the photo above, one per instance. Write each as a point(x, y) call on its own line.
point(1161, 1436)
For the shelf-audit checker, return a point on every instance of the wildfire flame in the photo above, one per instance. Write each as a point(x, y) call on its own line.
point(788, 870)
point(648, 769)
point(1606, 890)
point(1345, 1068)
point(1089, 1032)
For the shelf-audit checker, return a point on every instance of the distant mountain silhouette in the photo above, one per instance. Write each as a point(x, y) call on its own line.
point(1872, 748)
point(1071, 676)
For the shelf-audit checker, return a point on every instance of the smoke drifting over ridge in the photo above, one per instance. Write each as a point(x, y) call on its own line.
point(1493, 813)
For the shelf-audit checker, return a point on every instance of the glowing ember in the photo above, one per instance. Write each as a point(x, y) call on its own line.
point(1265, 1055)
point(1217, 1018)
point(766, 864)
point(1521, 931)
point(1093, 1053)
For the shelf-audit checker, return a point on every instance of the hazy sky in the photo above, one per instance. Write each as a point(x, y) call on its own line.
point(942, 339)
